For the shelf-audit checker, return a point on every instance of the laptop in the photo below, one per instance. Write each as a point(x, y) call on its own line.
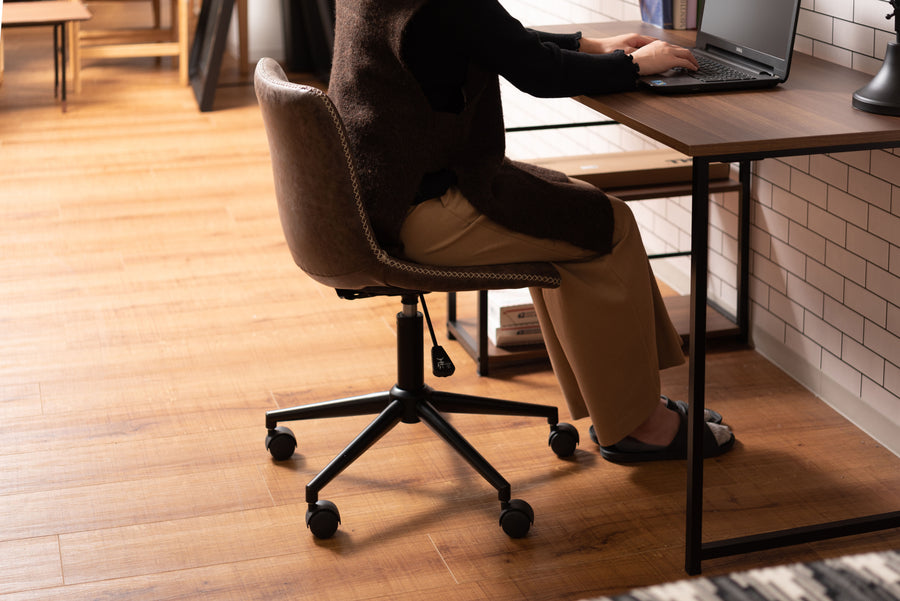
point(741, 44)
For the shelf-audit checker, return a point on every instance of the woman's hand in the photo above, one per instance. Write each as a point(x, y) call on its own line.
point(651, 55)
point(659, 56)
point(628, 43)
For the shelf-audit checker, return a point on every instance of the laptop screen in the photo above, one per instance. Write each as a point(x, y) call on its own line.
point(757, 28)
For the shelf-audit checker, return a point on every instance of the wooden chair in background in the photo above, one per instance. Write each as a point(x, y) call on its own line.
point(157, 40)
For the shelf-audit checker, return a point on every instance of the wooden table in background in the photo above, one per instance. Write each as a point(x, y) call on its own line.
point(57, 13)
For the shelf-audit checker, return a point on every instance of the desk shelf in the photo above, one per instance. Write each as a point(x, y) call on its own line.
point(469, 327)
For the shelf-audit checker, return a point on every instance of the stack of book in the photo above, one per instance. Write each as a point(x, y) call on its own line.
point(511, 319)
point(672, 14)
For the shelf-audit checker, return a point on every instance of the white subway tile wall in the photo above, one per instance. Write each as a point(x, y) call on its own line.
point(825, 239)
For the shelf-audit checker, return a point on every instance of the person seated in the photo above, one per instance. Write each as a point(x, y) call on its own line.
point(417, 85)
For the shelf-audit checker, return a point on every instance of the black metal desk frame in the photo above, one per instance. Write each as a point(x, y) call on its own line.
point(695, 549)
point(813, 115)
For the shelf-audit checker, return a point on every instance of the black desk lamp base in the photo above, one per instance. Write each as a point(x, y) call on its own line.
point(882, 94)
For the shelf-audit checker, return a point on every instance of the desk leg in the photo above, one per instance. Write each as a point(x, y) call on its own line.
point(59, 62)
point(695, 549)
point(743, 266)
point(243, 43)
point(56, 61)
point(484, 360)
point(697, 373)
point(475, 344)
point(184, 44)
point(74, 51)
point(63, 47)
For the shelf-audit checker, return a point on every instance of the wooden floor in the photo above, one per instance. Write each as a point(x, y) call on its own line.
point(150, 314)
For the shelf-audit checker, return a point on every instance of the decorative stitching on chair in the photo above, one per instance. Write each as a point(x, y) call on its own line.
point(382, 256)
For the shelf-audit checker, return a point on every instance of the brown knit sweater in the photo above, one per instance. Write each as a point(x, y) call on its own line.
point(397, 137)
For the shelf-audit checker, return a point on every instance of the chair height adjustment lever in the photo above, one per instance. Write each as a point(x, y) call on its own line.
point(441, 365)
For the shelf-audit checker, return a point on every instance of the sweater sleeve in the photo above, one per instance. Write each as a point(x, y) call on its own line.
point(566, 41)
point(539, 63)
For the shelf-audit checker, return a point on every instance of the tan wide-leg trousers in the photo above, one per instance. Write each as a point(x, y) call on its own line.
point(606, 328)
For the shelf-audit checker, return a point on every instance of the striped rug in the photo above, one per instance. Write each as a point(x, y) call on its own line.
point(864, 577)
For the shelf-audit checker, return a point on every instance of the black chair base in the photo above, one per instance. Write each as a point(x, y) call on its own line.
point(412, 401)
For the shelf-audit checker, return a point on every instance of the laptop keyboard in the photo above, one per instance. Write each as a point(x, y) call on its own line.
point(711, 70)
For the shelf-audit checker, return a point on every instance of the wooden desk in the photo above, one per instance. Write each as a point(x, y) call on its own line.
point(49, 12)
point(810, 114)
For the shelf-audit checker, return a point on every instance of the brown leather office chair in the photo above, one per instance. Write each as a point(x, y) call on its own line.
point(330, 238)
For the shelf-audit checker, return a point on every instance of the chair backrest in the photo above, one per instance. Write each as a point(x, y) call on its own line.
point(322, 214)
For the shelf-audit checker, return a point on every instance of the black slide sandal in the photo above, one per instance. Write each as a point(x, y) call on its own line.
point(630, 450)
point(709, 416)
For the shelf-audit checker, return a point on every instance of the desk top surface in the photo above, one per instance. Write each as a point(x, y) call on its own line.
point(811, 112)
point(46, 12)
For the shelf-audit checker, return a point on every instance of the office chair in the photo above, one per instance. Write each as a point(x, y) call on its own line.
point(330, 238)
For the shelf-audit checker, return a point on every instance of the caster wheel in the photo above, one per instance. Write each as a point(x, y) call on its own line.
point(516, 518)
point(322, 519)
point(563, 440)
point(281, 443)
